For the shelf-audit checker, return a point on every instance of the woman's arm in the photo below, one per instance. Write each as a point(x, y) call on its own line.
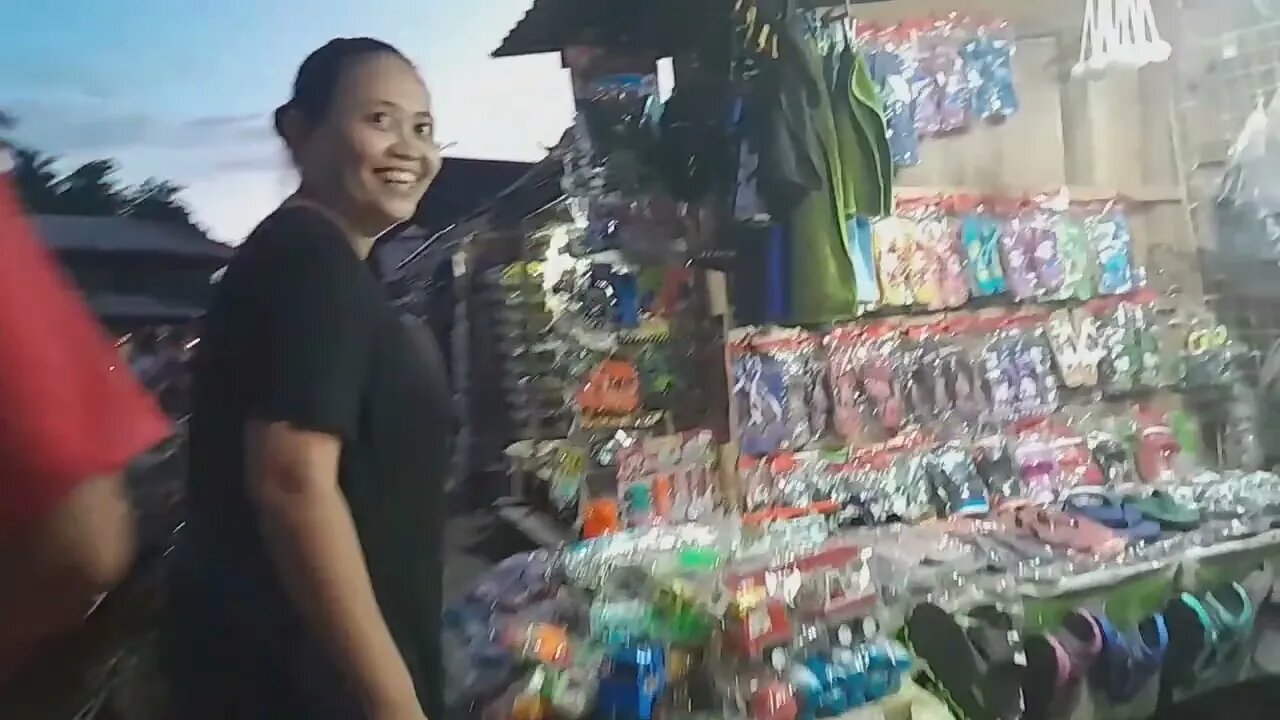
point(293, 478)
point(53, 573)
point(70, 421)
point(313, 369)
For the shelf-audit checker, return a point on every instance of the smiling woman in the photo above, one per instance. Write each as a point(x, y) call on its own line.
point(321, 432)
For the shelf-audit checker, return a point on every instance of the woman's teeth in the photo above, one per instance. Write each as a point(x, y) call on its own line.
point(398, 177)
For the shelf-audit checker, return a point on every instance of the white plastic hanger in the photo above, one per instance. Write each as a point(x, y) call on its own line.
point(1119, 33)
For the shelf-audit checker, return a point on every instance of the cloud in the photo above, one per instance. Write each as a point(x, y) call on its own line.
point(81, 128)
point(260, 163)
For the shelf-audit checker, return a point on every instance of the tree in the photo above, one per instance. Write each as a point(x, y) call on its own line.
point(37, 181)
point(92, 189)
point(158, 200)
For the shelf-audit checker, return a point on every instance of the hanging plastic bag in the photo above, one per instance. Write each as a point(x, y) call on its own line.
point(1251, 176)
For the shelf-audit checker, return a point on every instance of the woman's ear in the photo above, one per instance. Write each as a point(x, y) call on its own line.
point(292, 128)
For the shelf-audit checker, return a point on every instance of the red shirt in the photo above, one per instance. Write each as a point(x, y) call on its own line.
point(69, 408)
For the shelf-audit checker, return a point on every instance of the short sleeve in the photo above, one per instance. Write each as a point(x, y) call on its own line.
point(69, 408)
point(317, 340)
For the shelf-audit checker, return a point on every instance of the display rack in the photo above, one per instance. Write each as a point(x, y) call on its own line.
point(1066, 138)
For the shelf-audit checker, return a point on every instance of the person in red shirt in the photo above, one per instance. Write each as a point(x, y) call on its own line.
point(71, 418)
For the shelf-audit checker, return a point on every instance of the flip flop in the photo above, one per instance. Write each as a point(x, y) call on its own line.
point(1112, 512)
point(1065, 659)
point(1070, 532)
point(977, 686)
point(1160, 507)
point(1130, 661)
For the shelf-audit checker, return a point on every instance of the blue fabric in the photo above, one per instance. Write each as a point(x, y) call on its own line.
point(778, 275)
point(866, 286)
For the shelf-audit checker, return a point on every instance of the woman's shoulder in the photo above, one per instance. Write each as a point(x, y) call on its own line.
point(291, 224)
point(294, 234)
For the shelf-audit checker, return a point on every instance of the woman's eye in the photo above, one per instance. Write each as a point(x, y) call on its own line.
point(425, 130)
point(381, 119)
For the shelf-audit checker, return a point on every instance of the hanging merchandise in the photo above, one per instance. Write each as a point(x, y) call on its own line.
point(1113, 244)
point(1206, 360)
point(1075, 248)
point(1132, 355)
point(989, 60)
point(779, 390)
point(936, 274)
point(611, 170)
point(936, 253)
point(937, 76)
point(668, 479)
point(1032, 259)
point(894, 246)
point(941, 88)
point(611, 388)
point(1019, 372)
point(889, 71)
point(851, 406)
point(1073, 336)
point(617, 116)
point(980, 237)
point(1119, 34)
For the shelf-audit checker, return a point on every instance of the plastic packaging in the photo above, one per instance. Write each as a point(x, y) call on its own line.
point(1073, 336)
point(989, 60)
point(1113, 243)
point(960, 488)
point(894, 243)
point(1075, 249)
point(851, 408)
point(937, 266)
point(667, 479)
point(889, 71)
point(941, 88)
point(980, 236)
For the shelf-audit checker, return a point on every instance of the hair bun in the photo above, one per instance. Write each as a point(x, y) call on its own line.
point(280, 117)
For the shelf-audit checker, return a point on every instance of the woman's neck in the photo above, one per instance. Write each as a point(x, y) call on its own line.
point(361, 243)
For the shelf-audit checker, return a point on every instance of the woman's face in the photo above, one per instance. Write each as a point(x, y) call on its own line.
point(374, 154)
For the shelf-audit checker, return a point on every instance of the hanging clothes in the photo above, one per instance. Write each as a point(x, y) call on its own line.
point(795, 134)
point(865, 158)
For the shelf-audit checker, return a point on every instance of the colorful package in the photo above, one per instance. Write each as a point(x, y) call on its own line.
point(1113, 243)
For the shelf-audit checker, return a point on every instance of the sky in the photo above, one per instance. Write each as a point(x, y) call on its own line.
point(183, 90)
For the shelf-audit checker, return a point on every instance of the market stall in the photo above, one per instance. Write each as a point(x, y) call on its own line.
point(874, 375)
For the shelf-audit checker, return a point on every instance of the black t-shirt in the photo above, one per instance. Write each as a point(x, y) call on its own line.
point(301, 331)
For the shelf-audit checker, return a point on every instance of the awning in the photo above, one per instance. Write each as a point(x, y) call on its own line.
point(664, 26)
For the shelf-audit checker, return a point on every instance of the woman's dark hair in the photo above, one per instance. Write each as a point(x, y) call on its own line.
point(317, 81)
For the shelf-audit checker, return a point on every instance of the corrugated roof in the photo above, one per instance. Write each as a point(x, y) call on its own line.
point(664, 26)
point(74, 233)
point(464, 185)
